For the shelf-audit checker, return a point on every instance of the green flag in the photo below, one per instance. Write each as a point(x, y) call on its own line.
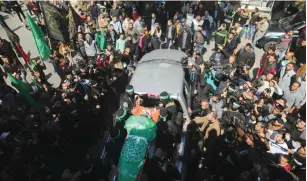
point(24, 89)
point(39, 39)
point(101, 40)
point(32, 64)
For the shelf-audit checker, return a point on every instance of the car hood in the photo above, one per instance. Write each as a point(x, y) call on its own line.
point(274, 27)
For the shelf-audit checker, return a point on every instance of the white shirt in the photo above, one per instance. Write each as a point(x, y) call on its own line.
point(276, 148)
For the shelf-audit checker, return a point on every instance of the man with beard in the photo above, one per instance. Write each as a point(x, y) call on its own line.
point(127, 100)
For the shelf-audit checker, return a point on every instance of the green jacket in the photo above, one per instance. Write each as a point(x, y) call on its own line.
point(230, 15)
point(220, 37)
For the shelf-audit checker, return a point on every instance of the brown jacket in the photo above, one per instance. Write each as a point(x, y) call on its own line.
point(199, 37)
point(204, 121)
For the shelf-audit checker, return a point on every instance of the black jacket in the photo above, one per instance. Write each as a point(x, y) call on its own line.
point(205, 91)
point(231, 46)
point(173, 32)
point(188, 44)
point(144, 43)
point(126, 100)
point(245, 58)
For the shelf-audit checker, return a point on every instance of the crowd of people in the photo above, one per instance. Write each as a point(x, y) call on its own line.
point(241, 127)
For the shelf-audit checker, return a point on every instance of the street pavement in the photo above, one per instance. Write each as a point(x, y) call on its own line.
point(28, 44)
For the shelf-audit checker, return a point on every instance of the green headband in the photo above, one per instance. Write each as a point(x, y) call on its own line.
point(122, 116)
point(164, 97)
point(130, 90)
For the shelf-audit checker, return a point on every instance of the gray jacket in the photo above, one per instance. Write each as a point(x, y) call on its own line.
point(90, 49)
point(293, 98)
point(285, 79)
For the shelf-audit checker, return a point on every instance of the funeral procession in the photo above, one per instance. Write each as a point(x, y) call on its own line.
point(121, 90)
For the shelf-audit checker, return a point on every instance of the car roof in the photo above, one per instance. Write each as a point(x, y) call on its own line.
point(160, 74)
point(164, 54)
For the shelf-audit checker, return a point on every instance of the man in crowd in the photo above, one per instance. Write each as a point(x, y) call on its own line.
point(220, 35)
point(261, 28)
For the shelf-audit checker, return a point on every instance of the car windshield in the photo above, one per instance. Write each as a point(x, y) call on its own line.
point(293, 22)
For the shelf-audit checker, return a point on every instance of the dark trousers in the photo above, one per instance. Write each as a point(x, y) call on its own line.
point(19, 14)
point(208, 35)
point(169, 43)
point(138, 54)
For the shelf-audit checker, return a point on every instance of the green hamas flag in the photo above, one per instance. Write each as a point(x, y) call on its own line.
point(101, 40)
point(56, 23)
point(74, 22)
point(24, 89)
point(39, 39)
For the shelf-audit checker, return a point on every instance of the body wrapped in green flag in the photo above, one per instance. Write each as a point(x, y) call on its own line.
point(141, 130)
